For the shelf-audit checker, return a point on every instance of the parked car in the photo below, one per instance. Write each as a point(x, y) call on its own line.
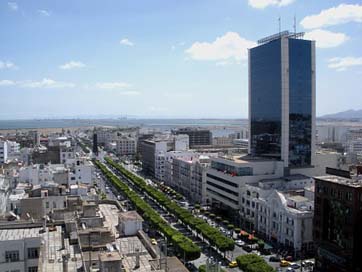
point(153, 241)
point(274, 259)
point(289, 269)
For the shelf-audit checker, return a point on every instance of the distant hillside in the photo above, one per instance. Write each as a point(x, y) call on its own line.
point(349, 114)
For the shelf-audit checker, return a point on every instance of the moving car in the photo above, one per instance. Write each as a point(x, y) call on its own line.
point(239, 243)
point(233, 264)
point(307, 263)
point(247, 248)
point(284, 263)
point(294, 265)
point(274, 259)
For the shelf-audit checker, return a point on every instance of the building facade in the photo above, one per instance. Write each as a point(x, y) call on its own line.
point(187, 176)
point(226, 178)
point(282, 99)
point(126, 146)
point(197, 137)
point(337, 223)
point(3, 152)
point(281, 211)
point(20, 250)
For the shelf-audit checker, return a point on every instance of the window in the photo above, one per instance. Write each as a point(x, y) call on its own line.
point(12, 256)
point(33, 269)
point(33, 253)
point(47, 205)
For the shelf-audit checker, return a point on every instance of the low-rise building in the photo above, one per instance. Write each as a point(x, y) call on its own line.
point(129, 223)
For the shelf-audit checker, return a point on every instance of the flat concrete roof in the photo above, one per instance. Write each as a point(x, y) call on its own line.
point(130, 215)
point(18, 234)
point(342, 181)
point(298, 198)
point(109, 256)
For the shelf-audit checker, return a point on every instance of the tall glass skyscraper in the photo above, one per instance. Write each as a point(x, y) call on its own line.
point(282, 99)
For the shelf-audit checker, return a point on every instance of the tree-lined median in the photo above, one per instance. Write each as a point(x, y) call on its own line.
point(211, 234)
point(184, 245)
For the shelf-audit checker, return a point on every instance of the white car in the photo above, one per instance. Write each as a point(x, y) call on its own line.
point(294, 265)
point(239, 242)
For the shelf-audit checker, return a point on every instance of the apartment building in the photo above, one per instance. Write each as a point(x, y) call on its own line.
point(153, 153)
point(280, 210)
point(80, 171)
point(3, 151)
point(188, 177)
point(126, 146)
point(20, 249)
point(337, 223)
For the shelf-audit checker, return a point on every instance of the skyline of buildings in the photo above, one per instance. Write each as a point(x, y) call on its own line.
point(97, 188)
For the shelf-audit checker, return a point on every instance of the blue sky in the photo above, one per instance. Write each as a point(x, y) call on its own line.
point(166, 58)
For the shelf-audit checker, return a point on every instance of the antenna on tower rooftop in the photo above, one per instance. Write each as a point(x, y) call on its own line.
point(295, 25)
point(280, 24)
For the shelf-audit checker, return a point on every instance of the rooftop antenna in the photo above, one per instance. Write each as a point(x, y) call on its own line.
point(280, 24)
point(295, 25)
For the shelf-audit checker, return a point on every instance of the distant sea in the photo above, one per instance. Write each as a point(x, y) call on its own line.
point(162, 124)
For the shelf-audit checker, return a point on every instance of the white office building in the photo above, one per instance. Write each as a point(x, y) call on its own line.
point(227, 176)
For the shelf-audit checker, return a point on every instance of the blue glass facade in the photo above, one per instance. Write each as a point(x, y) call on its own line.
point(266, 109)
point(300, 102)
point(265, 100)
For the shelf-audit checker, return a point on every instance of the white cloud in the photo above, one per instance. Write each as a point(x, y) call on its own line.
point(260, 4)
point(344, 13)
point(229, 46)
point(45, 83)
point(72, 65)
point(341, 64)
point(178, 95)
point(127, 42)
point(223, 63)
point(325, 38)
point(44, 12)
point(13, 6)
point(6, 82)
point(7, 65)
point(130, 93)
point(113, 85)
